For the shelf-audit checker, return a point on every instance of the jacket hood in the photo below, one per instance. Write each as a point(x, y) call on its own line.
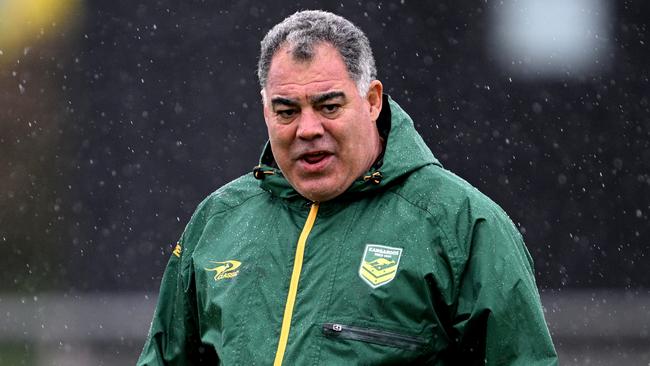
point(404, 152)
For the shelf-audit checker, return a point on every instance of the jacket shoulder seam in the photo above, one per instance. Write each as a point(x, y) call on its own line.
point(230, 207)
point(436, 220)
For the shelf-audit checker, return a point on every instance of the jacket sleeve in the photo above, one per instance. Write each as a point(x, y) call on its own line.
point(174, 337)
point(499, 318)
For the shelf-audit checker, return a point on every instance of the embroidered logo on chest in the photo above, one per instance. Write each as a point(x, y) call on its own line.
point(224, 270)
point(379, 264)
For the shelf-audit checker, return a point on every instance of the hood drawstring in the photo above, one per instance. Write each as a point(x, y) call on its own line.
point(260, 174)
point(375, 177)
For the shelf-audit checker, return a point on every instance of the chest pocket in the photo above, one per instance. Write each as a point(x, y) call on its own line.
point(375, 336)
point(381, 306)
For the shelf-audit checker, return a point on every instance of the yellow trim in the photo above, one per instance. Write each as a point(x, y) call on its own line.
point(293, 285)
point(177, 250)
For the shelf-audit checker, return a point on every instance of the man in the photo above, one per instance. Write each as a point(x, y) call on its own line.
point(349, 244)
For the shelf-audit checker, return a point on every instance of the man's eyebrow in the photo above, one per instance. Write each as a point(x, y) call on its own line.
point(284, 101)
point(317, 99)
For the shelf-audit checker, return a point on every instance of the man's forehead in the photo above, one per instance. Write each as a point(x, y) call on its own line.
point(306, 81)
point(325, 64)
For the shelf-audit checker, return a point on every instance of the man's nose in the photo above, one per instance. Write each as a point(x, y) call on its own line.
point(310, 125)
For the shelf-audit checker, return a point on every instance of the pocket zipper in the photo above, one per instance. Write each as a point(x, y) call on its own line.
point(373, 336)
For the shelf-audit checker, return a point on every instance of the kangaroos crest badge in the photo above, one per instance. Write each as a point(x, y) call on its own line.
point(379, 264)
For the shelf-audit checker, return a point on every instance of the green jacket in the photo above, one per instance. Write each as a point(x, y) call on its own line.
point(411, 265)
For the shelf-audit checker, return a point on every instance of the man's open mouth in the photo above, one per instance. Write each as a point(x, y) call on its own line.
point(315, 157)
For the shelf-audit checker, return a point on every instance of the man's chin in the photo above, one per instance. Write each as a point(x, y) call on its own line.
point(319, 192)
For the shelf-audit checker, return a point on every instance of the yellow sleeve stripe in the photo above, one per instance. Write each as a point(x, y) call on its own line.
point(293, 285)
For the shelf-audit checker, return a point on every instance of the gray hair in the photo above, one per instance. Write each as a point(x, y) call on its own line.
point(304, 29)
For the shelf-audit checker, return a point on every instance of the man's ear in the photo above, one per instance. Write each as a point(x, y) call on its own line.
point(374, 98)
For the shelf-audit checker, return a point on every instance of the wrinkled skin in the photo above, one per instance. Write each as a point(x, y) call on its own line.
point(323, 133)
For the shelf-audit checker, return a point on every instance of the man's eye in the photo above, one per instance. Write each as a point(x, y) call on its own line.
point(330, 108)
point(286, 113)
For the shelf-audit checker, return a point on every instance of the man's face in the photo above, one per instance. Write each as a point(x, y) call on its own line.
point(322, 132)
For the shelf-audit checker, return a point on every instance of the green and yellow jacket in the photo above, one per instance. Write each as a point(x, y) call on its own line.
point(411, 265)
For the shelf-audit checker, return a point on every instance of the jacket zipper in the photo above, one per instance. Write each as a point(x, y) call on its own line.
point(293, 284)
point(373, 336)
